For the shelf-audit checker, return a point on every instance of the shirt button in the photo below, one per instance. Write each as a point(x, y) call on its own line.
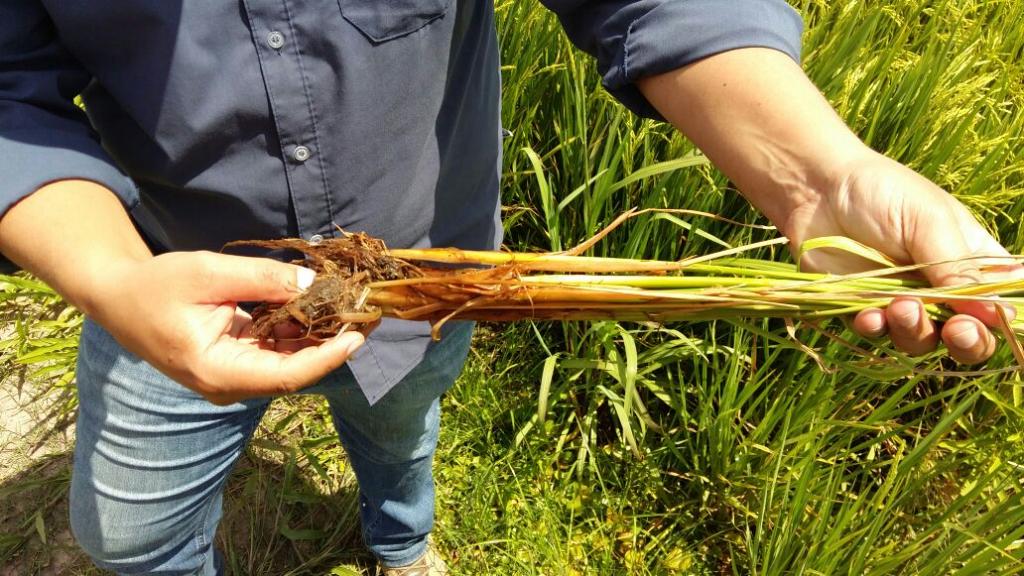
point(316, 239)
point(275, 39)
point(301, 153)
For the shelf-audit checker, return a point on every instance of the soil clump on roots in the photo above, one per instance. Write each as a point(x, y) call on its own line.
point(338, 299)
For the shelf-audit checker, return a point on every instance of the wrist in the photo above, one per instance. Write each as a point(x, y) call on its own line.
point(807, 184)
point(763, 123)
point(101, 283)
point(792, 179)
point(75, 235)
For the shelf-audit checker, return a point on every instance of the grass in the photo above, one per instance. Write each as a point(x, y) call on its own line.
point(693, 448)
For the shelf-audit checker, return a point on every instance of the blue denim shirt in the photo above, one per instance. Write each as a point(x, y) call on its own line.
point(217, 121)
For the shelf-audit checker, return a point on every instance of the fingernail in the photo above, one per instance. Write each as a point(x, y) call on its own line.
point(909, 317)
point(876, 332)
point(304, 278)
point(353, 347)
point(968, 337)
point(991, 309)
point(1008, 310)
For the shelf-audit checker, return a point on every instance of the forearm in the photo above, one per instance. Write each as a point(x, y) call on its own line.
point(761, 121)
point(71, 234)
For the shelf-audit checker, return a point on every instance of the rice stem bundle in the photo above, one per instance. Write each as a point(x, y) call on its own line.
point(359, 280)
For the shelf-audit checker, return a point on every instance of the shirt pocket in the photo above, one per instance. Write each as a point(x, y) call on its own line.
point(383, 20)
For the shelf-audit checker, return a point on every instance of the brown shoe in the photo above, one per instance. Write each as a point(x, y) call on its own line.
point(430, 564)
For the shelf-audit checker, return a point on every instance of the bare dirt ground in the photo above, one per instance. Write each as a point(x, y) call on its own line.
point(33, 478)
point(15, 423)
point(14, 420)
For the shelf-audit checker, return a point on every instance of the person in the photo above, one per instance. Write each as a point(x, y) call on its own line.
point(207, 122)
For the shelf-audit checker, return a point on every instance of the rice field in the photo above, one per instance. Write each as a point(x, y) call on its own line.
point(770, 460)
point(731, 447)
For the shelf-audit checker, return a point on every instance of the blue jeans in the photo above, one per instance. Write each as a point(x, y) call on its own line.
point(152, 457)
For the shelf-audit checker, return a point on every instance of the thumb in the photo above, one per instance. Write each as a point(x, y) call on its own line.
point(248, 279)
point(938, 236)
point(236, 370)
point(312, 363)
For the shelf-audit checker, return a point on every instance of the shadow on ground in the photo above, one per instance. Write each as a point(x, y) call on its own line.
point(275, 522)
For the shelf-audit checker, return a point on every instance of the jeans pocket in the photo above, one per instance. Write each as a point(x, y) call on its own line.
point(383, 20)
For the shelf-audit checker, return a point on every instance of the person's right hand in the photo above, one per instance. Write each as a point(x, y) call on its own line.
point(178, 312)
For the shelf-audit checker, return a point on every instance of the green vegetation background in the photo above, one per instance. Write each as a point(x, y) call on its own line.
point(710, 448)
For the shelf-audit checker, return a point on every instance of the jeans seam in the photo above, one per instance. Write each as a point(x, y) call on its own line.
point(200, 536)
point(368, 528)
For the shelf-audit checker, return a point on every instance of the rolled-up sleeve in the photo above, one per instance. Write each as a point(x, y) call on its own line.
point(44, 136)
point(633, 39)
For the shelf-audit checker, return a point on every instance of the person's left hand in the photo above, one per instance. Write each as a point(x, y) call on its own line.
point(759, 118)
point(887, 206)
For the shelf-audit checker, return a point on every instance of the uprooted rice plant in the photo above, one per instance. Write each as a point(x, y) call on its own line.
point(359, 281)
